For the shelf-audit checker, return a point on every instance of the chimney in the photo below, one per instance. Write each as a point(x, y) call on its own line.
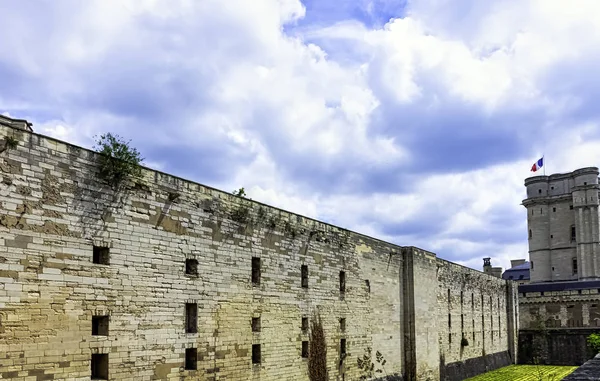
point(516, 262)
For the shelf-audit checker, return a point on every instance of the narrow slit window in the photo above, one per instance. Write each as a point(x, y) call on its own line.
point(574, 266)
point(449, 321)
point(342, 281)
point(101, 255)
point(304, 324)
point(343, 324)
point(305, 349)
point(99, 325)
point(255, 270)
point(191, 359)
point(191, 317)
point(342, 347)
point(191, 266)
point(256, 324)
point(99, 366)
point(304, 276)
point(573, 233)
point(368, 284)
point(256, 354)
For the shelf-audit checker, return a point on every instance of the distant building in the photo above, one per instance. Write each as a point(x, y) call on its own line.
point(518, 271)
point(488, 269)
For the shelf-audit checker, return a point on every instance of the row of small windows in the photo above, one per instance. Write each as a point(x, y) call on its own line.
point(101, 255)
point(572, 229)
point(573, 266)
point(553, 209)
point(552, 188)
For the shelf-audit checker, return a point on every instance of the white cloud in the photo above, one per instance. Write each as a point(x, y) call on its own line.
point(313, 122)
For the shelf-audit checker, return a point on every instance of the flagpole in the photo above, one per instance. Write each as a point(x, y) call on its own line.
point(544, 164)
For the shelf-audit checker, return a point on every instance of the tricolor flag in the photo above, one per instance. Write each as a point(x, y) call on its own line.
point(537, 165)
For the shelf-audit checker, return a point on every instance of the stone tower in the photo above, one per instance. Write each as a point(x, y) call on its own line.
point(562, 224)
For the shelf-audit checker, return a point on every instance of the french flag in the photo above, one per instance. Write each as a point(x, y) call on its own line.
point(537, 165)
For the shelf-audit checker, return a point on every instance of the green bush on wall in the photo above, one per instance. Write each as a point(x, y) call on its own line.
point(593, 341)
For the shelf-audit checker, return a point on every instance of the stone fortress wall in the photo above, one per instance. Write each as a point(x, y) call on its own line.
point(165, 275)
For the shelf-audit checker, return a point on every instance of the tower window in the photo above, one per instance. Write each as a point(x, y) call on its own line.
point(304, 275)
point(255, 270)
point(573, 235)
point(100, 366)
point(368, 284)
point(554, 209)
point(342, 347)
point(99, 325)
point(305, 349)
point(571, 207)
point(191, 266)
point(531, 265)
point(304, 324)
point(256, 354)
point(539, 191)
point(530, 234)
point(342, 281)
point(574, 266)
point(191, 358)
point(191, 318)
point(256, 324)
point(101, 255)
point(343, 324)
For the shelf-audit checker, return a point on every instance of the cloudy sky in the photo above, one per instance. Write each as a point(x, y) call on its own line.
point(414, 121)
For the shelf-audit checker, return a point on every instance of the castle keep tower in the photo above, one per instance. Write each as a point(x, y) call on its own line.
point(562, 223)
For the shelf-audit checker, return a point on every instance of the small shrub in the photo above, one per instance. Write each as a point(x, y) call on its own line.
point(11, 142)
point(240, 193)
point(593, 341)
point(118, 160)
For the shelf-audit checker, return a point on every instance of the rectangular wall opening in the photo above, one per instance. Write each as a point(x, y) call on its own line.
point(342, 281)
point(191, 318)
point(191, 359)
point(101, 255)
point(342, 348)
point(99, 325)
point(256, 324)
point(255, 271)
point(304, 324)
point(343, 324)
point(305, 349)
point(304, 275)
point(191, 266)
point(256, 354)
point(368, 284)
point(100, 366)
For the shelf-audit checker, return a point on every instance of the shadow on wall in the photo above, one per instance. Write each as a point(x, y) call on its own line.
point(461, 370)
point(555, 347)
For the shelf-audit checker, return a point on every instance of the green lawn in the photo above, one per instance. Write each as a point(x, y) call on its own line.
point(526, 373)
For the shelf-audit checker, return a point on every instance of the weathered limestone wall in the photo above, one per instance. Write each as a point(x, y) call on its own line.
point(476, 316)
point(55, 208)
point(55, 213)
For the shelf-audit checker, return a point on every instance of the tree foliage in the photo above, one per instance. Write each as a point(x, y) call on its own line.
point(593, 341)
point(118, 160)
